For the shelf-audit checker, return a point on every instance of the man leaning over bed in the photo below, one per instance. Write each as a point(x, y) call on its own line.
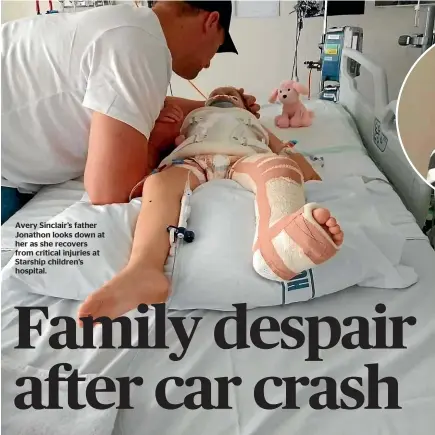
point(82, 92)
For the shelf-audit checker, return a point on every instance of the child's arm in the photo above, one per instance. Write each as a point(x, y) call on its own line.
point(275, 144)
point(308, 171)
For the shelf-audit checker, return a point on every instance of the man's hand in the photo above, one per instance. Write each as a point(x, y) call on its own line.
point(170, 113)
point(165, 131)
point(250, 102)
point(184, 104)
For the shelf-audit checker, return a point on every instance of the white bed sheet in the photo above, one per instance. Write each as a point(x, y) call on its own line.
point(332, 126)
point(333, 136)
point(413, 367)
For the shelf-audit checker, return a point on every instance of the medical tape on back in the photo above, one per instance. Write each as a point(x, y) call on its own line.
point(256, 125)
point(259, 144)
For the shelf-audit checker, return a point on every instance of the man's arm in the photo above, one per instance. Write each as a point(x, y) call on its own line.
point(124, 108)
point(117, 160)
point(185, 105)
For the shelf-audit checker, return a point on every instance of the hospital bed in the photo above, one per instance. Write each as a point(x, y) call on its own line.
point(355, 138)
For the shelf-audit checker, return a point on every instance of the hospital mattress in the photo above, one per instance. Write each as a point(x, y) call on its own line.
point(411, 366)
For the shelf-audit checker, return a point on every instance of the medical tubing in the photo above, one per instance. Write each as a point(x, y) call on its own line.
point(183, 217)
point(185, 204)
point(197, 90)
point(174, 241)
point(417, 14)
point(130, 197)
point(309, 84)
point(299, 25)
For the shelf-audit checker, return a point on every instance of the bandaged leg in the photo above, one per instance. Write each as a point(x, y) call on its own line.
point(290, 236)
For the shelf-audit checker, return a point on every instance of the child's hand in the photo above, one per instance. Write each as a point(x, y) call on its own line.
point(250, 102)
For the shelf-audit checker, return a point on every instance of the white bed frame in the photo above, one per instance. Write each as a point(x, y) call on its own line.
point(376, 123)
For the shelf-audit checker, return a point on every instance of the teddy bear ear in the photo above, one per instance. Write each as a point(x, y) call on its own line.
point(273, 96)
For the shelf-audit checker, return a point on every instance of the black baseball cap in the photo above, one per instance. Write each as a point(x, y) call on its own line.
point(225, 10)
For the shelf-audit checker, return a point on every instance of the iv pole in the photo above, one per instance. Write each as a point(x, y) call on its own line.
point(325, 21)
point(325, 27)
point(423, 41)
point(428, 38)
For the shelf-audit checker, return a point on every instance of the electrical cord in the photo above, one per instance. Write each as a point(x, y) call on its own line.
point(205, 98)
point(309, 84)
point(303, 9)
point(299, 26)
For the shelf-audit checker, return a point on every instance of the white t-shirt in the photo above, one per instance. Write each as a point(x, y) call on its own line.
point(57, 69)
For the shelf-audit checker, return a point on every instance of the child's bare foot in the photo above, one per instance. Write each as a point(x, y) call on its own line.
point(323, 217)
point(131, 287)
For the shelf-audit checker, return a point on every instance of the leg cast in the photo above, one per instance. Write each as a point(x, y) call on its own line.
point(291, 236)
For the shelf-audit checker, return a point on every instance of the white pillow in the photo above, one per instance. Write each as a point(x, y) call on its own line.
point(215, 271)
point(116, 222)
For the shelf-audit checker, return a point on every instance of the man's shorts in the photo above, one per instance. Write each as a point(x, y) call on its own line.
point(12, 201)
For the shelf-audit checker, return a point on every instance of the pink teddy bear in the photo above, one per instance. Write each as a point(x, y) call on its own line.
point(294, 113)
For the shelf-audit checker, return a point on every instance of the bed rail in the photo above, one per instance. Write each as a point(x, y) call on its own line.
point(376, 123)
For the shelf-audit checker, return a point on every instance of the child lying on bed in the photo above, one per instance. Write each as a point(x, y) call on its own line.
point(223, 140)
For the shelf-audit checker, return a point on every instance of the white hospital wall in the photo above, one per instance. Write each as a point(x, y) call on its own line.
point(16, 9)
point(266, 47)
